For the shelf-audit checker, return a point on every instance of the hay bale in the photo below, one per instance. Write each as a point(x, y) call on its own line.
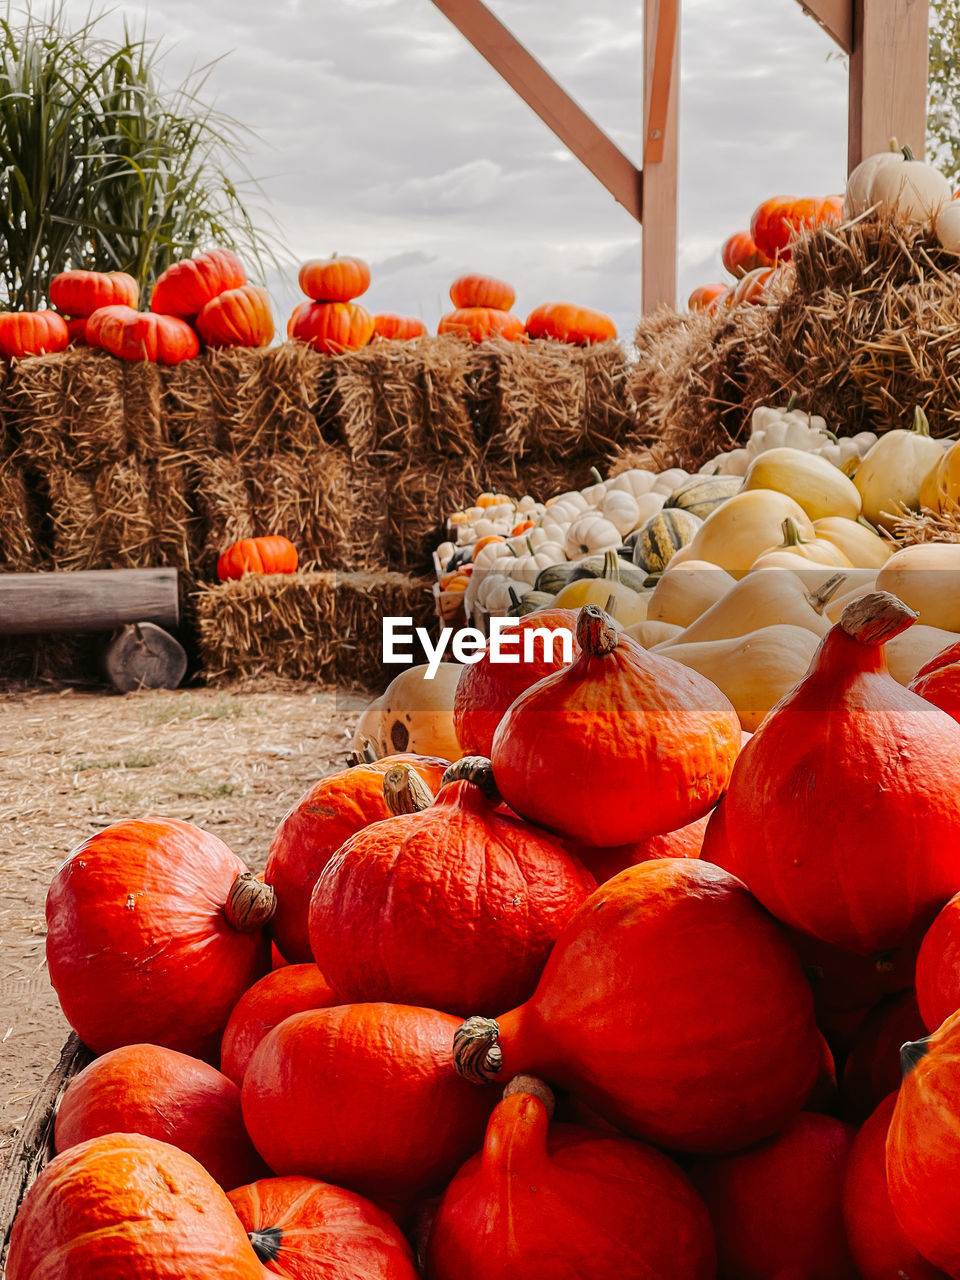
point(67, 409)
point(540, 405)
point(190, 405)
point(609, 412)
point(126, 517)
point(147, 424)
point(927, 526)
point(309, 625)
point(77, 532)
point(53, 659)
point(277, 389)
point(224, 507)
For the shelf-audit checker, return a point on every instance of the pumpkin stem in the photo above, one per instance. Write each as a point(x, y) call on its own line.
point(894, 145)
point(266, 1243)
point(530, 1084)
point(597, 633)
point(477, 1055)
point(475, 769)
point(611, 566)
point(912, 1052)
point(791, 534)
point(791, 402)
point(921, 423)
point(907, 152)
point(876, 618)
point(611, 606)
point(250, 903)
point(825, 592)
point(405, 791)
point(598, 478)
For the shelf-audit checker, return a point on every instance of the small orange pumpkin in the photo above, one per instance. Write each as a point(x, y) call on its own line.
point(32, 333)
point(186, 287)
point(331, 327)
point(273, 554)
point(480, 323)
point(80, 293)
point(141, 335)
point(741, 256)
point(482, 291)
point(706, 297)
point(334, 279)
point(237, 318)
point(566, 322)
point(396, 328)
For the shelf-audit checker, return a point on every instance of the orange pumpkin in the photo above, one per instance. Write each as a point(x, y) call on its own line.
point(237, 318)
point(126, 1205)
point(482, 291)
point(396, 328)
point(292, 988)
point(740, 255)
point(777, 219)
point(77, 329)
point(362, 1095)
point(334, 279)
point(273, 554)
point(661, 745)
point(706, 297)
point(141, 335)
point(331, 327)
point(186, 287)
point(872, 1069)
point(162, 1094)
point(301, 1229)
point(333, 809)
point(566, 322)
point(752, 289)
point(938, 967)
point(939, 681)
point(685, 842)
point(154, 931)
point(80, 293)
point(32, 333)
point(481, 323)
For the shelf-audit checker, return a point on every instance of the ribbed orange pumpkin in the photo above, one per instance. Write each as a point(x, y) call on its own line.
point(777, 1208)
point(740, 255)
point(273, 554)
point(32, 333)
point(453, 907)
point(620, 746)
point(237, 318)
point(329, 813)
point(334, 279)
point(631, 1015)
point(707, 297)
point(939, 681)
point(154, 931)
point(162, 1094)
point(880, 1249)
point(547, 1200)
point(482, 291)
point(852, 748)
point(486, 689)
point(331, 327)
point(872, 1069)
point(293, 988)
point(186, 287)
point(80, 293)
point(938, 967)
point(124, 1206)
point(77, 330)
point(685, 842)
point(141, 335)
point(481, 323)
point(566, 322)
point(775, 221)
point(363, 1096)
point(923, 1146)
point(306, 1230)
point(396, 328)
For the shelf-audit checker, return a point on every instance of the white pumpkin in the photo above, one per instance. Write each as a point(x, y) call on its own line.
point(734, 463)
point(948, 226)
point(648, 504)
point(594, 494)
point(636, 482)
point(503, 595)
point(788, 428)
point(555, 532)
point(572, 498)
point(528, 503)
point(856, 199)
point(911, 191)
point(669, 480)
point(621, 510)
point(485, 558)
point(848, 449)
point(589, 534)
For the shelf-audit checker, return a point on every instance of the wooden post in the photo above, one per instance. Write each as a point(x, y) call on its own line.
point(88, 600)
point(888, 77)
point(661, 47)
point(142, 656)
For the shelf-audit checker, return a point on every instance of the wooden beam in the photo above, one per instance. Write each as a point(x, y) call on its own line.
point(575, 129)
point(836, 18)
point(888, 77)
point(661, 47)
point(88, 600)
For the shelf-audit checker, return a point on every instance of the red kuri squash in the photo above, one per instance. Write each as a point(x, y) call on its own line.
point(157, 1092)
point(685, 842)
point(546, 1200)
point(290, 989)
point(125, 1205)
point(451, 905)
point(667, 976)
point(872, 1069)
point(939, 681)
point(363, 1096)
point(938, 967)
point(621, 745)
point(334, 809)
point(306, 1230)
point(154, 931)
point(186, 287)
point(850, 751)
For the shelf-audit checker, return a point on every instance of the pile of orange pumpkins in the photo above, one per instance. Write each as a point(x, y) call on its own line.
point(203, 299)
point(759, 259)
point(619, 992)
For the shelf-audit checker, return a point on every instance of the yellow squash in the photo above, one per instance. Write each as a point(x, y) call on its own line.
point(608, 592)
point(650, 633)
point(765, 598)
point(940, 490)
point(913, 649)
point(811, 549)
point(745, 526)
point(927, 578)
point(859, 544)
point(893, 471)
point(755, 670)
point(686, 590)
point(815, 484)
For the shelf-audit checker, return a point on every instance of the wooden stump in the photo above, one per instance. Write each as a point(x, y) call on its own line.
point(144, 656)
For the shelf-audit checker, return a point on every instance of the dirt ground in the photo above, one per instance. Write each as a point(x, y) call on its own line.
point(72, 762)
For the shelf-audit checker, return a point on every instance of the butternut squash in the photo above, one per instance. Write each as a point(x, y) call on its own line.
point(927, 578)
point(653, 633)
point(746, 526)
point(755, 670)
point(763, 599)
point(812, 549)
point(913, 649)
point(819, 487)
point(859, 544)
point(686, 591)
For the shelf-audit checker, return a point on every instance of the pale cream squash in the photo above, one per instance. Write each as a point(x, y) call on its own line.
point(819, 487)
point(893, 471)
point(765, 598)
point(947, 227)
point(416, 714)
point(687, 590)
point(857, 587)
point(940, 490)
point(862, 547)
point(748, 524)
point(927, 578)
point(811, 549)
point(857, 199)
point(911, 191)
point(913, 649)
point(650, 633)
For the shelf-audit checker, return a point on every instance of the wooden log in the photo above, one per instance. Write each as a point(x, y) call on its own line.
point(34, 1147)
point(144, 656)
point(89, 600)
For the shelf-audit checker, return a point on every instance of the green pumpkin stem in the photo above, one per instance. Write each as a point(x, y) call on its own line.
point(611, 566)
point(912, 1052)
point(475, 769)
point(791, 534)
point(477, 1055)
point(405, 791)
point(597, 633)
point(921, 423)
point(825, 592)
point(596, 475)
point(907, 152)
point(876, 618)
point(791, 402)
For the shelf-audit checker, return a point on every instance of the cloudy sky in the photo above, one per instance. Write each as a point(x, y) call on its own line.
point(378, 131)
